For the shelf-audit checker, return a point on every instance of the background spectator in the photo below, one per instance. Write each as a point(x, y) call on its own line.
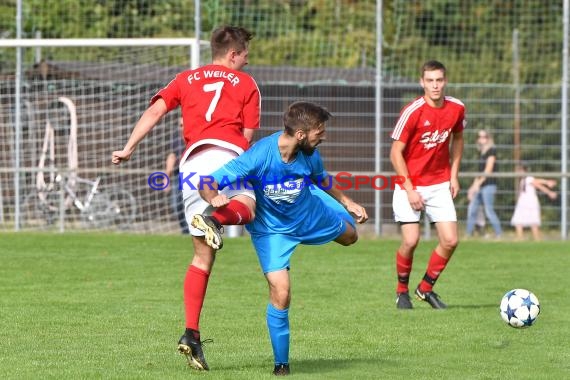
point(483, 188)
point(527, 208)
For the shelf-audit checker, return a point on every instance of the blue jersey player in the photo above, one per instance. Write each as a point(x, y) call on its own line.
point(291, 185)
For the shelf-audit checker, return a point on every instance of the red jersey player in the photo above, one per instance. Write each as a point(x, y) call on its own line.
point(220, 110)
point(421, 153)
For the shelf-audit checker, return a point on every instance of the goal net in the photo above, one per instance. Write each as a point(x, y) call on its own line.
point(73, 114)
point(360, 59)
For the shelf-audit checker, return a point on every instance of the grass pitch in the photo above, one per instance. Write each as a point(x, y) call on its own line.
point(83, 306)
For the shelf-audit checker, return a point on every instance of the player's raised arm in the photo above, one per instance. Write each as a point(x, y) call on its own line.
point(146, 123)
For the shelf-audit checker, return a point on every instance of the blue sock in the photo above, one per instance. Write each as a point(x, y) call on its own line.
point(278, 325)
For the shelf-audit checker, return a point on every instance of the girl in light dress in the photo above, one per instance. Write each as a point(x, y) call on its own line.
point(527, 209)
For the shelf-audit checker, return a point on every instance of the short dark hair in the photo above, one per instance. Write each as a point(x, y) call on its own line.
point(431, 66)
point(229, 37)
point(304, 116)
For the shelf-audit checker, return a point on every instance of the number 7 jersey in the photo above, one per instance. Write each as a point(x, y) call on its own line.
point(217, 104)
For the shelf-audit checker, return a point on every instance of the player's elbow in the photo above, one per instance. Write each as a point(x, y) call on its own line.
point(392, 156)
point(396, 155)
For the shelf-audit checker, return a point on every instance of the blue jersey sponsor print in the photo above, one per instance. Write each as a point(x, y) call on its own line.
point(282, 189)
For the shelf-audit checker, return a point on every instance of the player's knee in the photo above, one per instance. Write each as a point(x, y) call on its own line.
point(348, 238)
point(409, 243)
point(353, 238)
point(449, 243)
point(280, 298)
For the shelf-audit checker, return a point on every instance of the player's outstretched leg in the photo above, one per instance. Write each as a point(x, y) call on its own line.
point(211, 228)
point(191, 346)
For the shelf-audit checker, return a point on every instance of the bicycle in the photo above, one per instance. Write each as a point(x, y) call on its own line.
point(112, 208)
point(52, 199)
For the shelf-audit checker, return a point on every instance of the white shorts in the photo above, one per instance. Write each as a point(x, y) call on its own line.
point(205, 163)
point(438, 202)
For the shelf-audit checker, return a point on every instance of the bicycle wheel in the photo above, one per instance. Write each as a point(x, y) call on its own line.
point(123, 207)
point(97, 215)
point(39, 209)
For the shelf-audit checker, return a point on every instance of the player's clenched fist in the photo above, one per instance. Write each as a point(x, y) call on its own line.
point(120, 156)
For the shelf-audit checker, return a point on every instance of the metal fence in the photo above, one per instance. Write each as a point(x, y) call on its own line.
point(528, 121)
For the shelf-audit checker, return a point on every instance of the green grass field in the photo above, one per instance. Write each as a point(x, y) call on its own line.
point(81, 306)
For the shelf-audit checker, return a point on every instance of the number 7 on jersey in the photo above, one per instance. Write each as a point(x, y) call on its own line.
point(217, 87)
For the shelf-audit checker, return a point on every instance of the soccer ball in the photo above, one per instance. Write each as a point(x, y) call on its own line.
point(519, 308)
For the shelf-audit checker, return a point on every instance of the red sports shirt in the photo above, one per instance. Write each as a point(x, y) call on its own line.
point(426, 132)
point(217, 104)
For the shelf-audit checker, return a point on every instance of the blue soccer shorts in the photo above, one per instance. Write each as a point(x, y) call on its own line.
point(326, 220)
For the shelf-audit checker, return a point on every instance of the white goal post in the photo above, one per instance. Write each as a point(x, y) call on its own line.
point(109, 42)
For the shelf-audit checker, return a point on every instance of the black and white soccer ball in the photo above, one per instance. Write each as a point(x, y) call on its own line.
point(519, 308)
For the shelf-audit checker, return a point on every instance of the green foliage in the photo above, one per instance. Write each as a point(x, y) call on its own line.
point(473, 37)
point(108, 19)
point(302, 33)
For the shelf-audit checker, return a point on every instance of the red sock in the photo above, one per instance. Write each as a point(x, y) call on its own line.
point(195, 285)
point(233, 213)
point(435, 266)
point(403, 269)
